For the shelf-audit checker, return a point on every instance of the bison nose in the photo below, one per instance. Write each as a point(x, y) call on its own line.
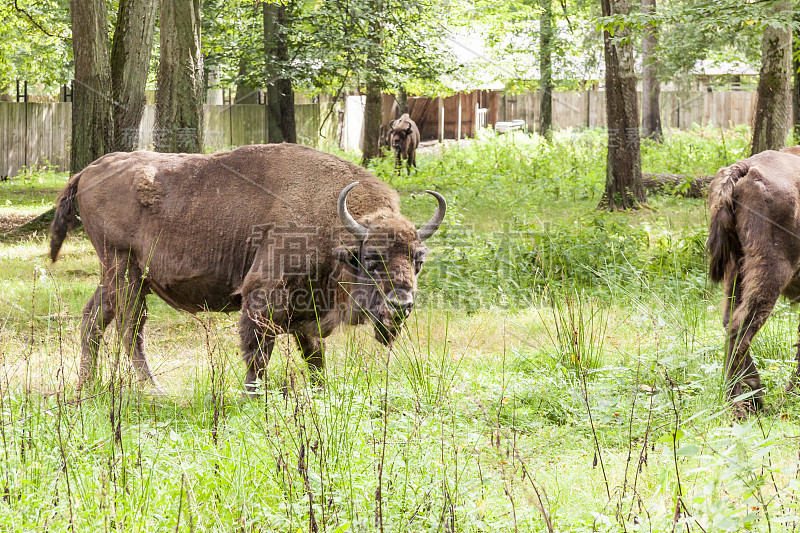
point(401, 307)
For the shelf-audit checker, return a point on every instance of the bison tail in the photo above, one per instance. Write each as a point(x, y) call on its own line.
point(66, 215)
point(723, 244)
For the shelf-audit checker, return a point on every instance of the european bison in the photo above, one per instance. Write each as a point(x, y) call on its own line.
point(273, 230)
point(754, 247)
point(404, 137)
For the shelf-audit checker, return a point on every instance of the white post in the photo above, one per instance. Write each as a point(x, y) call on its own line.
point(477, 120)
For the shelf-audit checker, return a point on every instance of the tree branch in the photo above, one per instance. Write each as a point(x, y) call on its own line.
point(33, 21)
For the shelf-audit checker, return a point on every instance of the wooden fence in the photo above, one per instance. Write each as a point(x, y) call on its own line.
point(722, 109)
point(34, 134)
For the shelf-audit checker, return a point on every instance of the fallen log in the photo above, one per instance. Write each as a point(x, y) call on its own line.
point(676, 184)
point(40, 223)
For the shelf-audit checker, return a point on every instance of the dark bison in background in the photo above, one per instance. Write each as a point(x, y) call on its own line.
point(404, 138)
point(754, 248)
point(299, 240)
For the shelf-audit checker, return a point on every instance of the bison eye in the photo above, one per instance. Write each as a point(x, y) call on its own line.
point(419, 260)
point(371, 261)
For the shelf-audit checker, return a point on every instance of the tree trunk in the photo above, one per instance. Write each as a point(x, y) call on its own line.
point(246, 93)
point(372, 121)
point(402, 100)
point(373, 107)
point(796, 76)
point(280, 94)
point(92, 126)
point(546, 68)
point(130, 65)
point(771, 121)
point(179, 96)
point(624, 188)
point(651, 86)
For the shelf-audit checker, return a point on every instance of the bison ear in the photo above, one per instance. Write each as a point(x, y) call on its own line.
point(408, 130)
point(346, 254)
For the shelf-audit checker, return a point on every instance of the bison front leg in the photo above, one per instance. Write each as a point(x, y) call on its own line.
point(313, 349)
point(257, 334)
point(97, 315)
point(794, 380)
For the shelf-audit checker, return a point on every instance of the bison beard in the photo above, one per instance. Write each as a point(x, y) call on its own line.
point(754, 249)
point(265, 228)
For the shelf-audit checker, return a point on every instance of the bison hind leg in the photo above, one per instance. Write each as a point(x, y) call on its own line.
point(750, 305)
point(97, 315)
point(130, 296)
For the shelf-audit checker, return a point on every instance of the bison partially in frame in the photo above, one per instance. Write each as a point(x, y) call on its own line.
point(301, 241)
point(754, 248)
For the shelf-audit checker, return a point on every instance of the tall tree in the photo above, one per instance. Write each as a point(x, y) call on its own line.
point(796, 74)
point(280, 94)
point(179, 91)
point(546, 67)
point(402, 100)
point(92, 126)
point(373, 108)
point(624, 189)
point(246, 91)
point(771, 121)
point(651, 86)
point(246, 80)
point(130, 65)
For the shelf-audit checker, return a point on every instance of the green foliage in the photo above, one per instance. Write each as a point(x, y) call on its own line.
point(35, 44)
point(581, 390)
point(523, 220)
point(332, 45)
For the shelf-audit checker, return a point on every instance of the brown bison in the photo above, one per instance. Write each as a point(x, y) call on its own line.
point(754, 248)
point(404, 138)
point(273, 230)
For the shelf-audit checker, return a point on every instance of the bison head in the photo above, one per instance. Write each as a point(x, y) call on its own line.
point(385, 265)
point(398, 133)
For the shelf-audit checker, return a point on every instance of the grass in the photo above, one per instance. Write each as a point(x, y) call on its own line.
point(563, 372)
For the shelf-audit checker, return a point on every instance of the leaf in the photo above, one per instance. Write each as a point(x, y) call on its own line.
point(670, 437)
point(689, 450)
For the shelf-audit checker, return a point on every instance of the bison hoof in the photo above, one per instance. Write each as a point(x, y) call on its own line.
point(743, 409)
point(252, 392)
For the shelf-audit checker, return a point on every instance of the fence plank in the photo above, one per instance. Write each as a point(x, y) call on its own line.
point(216, 127)
point(15, 136)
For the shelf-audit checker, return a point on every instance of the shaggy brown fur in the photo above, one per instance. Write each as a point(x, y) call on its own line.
point(255, 228)
point(754, 248)
point(404, 137)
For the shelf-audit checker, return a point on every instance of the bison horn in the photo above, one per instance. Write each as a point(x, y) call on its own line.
point(433, 224)
point(358, 231)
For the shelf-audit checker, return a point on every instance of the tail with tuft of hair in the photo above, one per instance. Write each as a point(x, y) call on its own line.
point(66, 216)
point(723, 244)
